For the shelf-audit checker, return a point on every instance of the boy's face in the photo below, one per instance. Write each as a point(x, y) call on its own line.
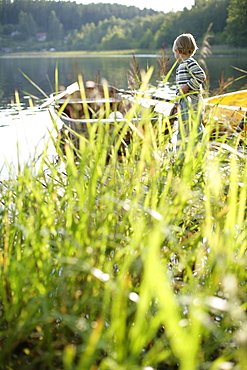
point(177, 54)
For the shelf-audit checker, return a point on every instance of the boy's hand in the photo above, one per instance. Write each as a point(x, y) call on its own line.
point(174, 110)
point(172, 117)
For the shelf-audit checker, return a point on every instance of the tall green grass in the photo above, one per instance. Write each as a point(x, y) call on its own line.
point(130, 264)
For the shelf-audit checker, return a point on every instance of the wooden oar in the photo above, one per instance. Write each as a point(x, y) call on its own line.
point(69, 90)
point(135, 94)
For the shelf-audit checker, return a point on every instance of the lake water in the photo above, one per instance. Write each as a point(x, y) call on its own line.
point(41, 70)
point(29, 126)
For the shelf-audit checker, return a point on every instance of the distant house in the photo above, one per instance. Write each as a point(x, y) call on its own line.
point(41, 37)
point(15, 33)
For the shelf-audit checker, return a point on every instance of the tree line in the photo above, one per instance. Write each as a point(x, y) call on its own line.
point(67, 25)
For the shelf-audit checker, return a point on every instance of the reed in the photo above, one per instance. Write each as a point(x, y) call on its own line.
point(133, 264)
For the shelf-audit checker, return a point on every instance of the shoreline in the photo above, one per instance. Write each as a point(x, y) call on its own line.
point(217, 50)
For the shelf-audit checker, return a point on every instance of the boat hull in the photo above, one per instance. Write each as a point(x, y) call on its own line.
point(228, 110)
point(83, 110)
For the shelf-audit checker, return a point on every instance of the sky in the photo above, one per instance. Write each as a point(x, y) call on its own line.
point(160, 5)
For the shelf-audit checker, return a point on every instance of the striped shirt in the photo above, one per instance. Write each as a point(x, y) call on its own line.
point(189, 72)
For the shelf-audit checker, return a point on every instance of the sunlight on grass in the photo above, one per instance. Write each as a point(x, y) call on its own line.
point(138, 263)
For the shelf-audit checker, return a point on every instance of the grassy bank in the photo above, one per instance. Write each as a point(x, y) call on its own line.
point(227, 50)
point(138, 263)
point(216, 50)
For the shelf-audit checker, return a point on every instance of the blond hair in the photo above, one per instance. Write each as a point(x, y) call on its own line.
point(185, 44)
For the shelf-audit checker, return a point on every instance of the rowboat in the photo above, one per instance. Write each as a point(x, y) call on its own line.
point(228, 111)
point(94, 105)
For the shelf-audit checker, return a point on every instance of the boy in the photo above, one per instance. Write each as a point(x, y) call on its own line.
point(189, 79)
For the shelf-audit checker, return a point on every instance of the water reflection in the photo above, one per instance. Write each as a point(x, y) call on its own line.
point(25, 135)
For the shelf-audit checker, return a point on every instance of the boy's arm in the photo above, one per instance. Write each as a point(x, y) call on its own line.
point(198, 76)
point(185, 88)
